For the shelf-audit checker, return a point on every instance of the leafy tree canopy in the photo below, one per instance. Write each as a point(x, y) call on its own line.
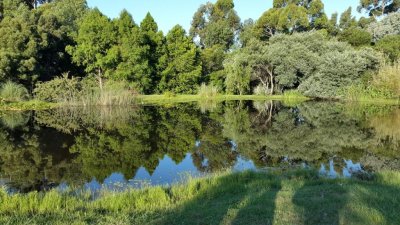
point(379, 7)
point(215, 24)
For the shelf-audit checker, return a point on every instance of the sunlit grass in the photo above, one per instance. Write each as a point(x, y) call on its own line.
point(299, 197)
point(165, 99)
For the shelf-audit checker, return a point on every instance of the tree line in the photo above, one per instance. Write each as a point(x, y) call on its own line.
point(292, 46)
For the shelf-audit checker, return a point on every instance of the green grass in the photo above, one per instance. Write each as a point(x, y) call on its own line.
point(165, 99)
point(298, 197)
point(291, 98)
point(27, 105)
point(369, 100)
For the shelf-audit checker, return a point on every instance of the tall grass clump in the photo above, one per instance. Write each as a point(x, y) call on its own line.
point(113, 93)
point(388, 78)
point(14, 119)
point(13, 92)
point(384, 84)
point(261, 90)
point(359, 92)
point(207, 91)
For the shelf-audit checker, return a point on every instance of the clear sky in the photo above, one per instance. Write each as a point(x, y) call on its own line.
point(168, 13)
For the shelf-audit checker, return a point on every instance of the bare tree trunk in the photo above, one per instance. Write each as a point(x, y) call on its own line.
point(271, 76)
point(271, 109)
point(100, 79)
point(383, 6)
point(272, 84)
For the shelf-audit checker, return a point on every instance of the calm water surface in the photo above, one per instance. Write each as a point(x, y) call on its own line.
point(142, 145)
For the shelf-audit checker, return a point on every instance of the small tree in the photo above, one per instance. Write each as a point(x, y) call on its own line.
point(238, 73)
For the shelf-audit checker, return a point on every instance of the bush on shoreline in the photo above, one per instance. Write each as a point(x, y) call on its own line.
point(74, 91)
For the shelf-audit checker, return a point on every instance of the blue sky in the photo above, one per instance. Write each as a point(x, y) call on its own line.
point(168, 13)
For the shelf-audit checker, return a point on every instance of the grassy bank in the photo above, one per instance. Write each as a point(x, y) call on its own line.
point(167, 99)
point(148, 99)
point(368, 100)
point(231, 198)
point(161, 99)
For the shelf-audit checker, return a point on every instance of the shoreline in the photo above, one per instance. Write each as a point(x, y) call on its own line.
point(163, 99)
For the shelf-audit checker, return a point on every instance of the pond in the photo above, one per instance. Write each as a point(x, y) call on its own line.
point(147, 145)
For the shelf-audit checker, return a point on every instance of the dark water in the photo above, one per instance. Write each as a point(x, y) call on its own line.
point(140, 145)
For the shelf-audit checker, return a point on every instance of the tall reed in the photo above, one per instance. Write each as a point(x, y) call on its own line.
point(388, 78)
point(207, 91)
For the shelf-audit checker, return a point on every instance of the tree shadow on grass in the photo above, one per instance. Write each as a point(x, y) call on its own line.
point(320, 202)
point(250, 198)
point(226, 202)
point(354, 202)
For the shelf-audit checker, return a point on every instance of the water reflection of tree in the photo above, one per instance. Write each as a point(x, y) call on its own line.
point(141, 140)
point(313, 132)
point(28, 163)
point(99, 141)
point(214, 151)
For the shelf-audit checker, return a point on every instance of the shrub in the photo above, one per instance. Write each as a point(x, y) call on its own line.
point(356, 37)
point(337, 70)
point(390, 46)
point(60, 89)
point(13, 92)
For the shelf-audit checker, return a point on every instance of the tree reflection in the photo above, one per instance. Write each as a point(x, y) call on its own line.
point(75, 145)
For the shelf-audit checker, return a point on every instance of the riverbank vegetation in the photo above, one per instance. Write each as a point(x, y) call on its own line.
point(62, 51)
point(296, 197)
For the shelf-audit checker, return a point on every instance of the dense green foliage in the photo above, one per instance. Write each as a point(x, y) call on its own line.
point(389, 25)
point(312, 63)
point(292, 46)
point(183, 71)
point(390, 45)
